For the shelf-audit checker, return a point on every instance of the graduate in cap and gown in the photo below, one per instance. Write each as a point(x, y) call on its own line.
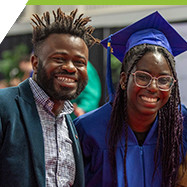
point(138, 138)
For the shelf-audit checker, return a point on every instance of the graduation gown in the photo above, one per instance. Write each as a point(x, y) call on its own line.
point(92, 129)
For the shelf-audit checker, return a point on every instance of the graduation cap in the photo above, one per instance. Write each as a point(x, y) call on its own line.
point(153, 29)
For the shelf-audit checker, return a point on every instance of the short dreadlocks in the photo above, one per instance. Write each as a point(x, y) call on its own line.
point(62, 23)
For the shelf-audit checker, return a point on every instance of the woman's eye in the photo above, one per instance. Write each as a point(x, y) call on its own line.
point(143, 77)
point(164, 80)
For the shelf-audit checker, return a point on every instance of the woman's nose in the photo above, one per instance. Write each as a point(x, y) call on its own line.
point(153, 85)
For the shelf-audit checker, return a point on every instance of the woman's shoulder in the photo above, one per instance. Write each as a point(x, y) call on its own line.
point(184, 110)
point(99, 115)
point(184, 113)
point(92, 126)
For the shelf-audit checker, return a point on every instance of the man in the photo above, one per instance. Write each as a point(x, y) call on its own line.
point(38, 142)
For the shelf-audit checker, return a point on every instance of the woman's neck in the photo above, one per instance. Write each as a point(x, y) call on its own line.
point(141, 123)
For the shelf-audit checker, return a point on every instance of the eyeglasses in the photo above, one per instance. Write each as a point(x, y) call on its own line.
point(144, 79)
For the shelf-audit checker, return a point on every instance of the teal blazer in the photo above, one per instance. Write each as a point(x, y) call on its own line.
point(22, 162)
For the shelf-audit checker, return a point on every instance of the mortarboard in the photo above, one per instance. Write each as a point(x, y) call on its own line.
point(153, 29)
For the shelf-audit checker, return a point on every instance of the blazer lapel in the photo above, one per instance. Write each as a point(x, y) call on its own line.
point(79, 177)
point(34, 130)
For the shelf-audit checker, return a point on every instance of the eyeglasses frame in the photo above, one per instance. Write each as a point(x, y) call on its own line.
point(153, 78)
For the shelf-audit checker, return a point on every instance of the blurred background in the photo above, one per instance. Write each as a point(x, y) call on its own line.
point(16, 47)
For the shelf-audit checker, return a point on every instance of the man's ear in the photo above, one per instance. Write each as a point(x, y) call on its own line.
point(34, 61)
point(122, 80)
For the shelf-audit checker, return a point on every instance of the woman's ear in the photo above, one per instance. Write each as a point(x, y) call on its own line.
point(122, 80)
point(34, 61)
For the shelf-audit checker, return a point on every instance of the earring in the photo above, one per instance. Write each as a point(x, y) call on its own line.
point(123, 87)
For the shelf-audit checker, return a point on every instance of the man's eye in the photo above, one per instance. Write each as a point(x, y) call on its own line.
point(58, 59)
point(79, 62)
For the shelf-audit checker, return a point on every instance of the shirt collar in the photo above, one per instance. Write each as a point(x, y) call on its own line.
point(43, 99)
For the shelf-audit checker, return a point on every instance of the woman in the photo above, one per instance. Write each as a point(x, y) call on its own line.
point(139, 138)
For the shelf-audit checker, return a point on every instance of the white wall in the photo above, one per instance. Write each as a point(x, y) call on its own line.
point(181, 63)
point(103, 15)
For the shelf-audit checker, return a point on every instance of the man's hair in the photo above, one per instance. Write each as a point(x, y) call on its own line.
point(62, 24)
point(170, 120)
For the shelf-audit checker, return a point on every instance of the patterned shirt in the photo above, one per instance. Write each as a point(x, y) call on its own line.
point(59, 158)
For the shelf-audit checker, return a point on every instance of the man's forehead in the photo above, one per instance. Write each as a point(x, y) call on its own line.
point(64, 43)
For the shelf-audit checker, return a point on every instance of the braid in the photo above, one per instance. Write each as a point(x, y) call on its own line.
point(67, 24)
point(170, 127)
point(118, 121)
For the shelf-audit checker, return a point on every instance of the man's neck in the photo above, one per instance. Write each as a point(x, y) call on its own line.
point(58, 106)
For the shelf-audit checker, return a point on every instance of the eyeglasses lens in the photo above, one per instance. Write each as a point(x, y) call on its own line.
point(142, 79)
point(165, 82)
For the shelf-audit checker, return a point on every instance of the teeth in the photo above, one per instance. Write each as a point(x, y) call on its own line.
point(64, 79)
point(150, 100)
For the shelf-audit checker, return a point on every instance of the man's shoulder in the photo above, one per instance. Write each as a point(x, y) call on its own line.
point(7, 93)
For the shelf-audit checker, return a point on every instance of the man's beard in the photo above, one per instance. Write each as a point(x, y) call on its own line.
point(47, 84)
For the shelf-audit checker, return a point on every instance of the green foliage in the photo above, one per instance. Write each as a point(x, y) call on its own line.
point(9, 62)
point(116, 68)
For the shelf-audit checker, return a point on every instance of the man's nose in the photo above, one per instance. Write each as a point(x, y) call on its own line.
point(69, 66)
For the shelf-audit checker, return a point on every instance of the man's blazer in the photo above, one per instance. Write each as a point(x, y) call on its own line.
point(22, 161)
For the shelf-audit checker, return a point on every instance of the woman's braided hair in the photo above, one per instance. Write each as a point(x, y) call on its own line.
point(62, 23)
point(170, 128)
